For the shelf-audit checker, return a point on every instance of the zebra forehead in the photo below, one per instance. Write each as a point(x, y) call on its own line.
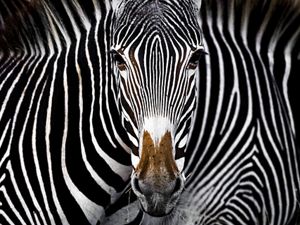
point(154, 11)
point(175, 24)
point(151, 6)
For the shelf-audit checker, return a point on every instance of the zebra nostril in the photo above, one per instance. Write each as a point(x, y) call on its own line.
point(136, 186)
point(177, 186)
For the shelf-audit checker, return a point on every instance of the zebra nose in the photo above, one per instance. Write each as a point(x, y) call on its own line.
point(178, 185)
point(136, 187)
point(157, 200)
point(144, 187)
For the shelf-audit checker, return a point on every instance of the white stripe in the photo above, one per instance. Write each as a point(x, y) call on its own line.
point(11, 205)
point(52, 19)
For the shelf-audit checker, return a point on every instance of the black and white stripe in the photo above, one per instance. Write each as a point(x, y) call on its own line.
point(242, 158)
point(247, 162)
point(155, 41)
point(64, 156)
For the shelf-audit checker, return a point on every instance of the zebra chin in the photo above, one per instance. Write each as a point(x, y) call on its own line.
point(158, 202)
point(157, 181)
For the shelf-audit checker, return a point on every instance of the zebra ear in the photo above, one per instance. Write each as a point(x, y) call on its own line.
point(115, 4)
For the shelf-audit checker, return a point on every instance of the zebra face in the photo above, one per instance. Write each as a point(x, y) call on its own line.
point(156, 46)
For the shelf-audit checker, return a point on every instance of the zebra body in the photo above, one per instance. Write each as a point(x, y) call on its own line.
point(65, 156)
point(57, 110)
point(242, 156)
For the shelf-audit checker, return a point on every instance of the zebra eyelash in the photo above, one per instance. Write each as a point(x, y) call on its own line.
point(195, 58)
point(118, 59)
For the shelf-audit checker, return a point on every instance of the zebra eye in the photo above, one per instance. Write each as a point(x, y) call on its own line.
point(120, 62)
point(194, 60)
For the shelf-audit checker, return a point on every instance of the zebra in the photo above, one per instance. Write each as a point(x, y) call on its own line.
point(242, 156)
point(56, 72)
point(156, 47)
point(65, 157)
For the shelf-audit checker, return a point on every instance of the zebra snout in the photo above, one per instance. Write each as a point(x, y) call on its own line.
point(157, 181)
point(157, 198)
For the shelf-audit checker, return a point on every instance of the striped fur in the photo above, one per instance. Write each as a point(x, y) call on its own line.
point(242, 159)
point(64, 156)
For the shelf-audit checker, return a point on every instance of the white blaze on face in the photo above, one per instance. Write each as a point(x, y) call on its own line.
point(157, 127)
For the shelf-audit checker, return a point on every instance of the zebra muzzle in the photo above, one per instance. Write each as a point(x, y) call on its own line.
point(157, 181)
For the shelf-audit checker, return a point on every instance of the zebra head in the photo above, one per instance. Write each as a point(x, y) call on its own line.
point(156, 45)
